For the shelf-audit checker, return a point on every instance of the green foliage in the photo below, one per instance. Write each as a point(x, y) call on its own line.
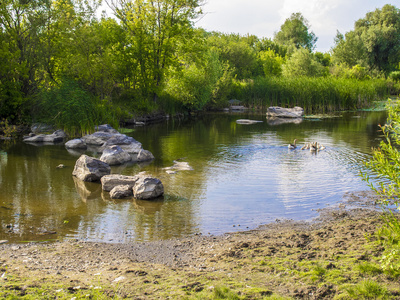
point(71, 108)
point(373, 42)
point(271, 62)
point(386, 164)
point(224, 293)
point(198, 84)
point(367, 290)
point(303, 63)
point(7, 129)
point(315, 94)
point(395, 75)
point(295, 31)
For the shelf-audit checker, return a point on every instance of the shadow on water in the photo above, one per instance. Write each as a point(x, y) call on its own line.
point(243, 176)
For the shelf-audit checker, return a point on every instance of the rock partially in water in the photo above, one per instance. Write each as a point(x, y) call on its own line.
point(147, 188)
point(76, 144)
point(90, 169)
point(144, 155)
point(114, 155)
point(98, 138)
point(56, 137)
point(108, 182)
point(121, 192)
point(281, 112)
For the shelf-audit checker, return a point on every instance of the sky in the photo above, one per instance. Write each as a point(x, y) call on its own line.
point(264, 17)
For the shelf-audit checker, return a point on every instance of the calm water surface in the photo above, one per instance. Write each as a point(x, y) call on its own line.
point(243, 176)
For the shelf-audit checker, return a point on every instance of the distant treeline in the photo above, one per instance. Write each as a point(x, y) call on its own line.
point(61, 64)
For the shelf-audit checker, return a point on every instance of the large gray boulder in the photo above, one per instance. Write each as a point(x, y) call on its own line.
point(121, 192)
point(76, 144)
point(147, 188)
point(108, 182)
point(114, 155)
point(280, 112)
point(90, 169)
point(127, 143)
point(56, 137)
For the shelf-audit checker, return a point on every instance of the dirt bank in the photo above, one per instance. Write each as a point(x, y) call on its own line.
point(325, 259)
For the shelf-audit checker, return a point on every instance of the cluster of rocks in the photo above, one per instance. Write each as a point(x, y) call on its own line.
point(139, 186)
point(116, 148)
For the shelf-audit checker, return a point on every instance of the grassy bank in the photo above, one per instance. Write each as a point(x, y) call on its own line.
point(314, 94)
point(336, 258)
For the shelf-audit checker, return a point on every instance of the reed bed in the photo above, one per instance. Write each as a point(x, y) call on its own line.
point(314, 94)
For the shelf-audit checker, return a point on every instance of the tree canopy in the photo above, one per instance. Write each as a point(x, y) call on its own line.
point(374, 42)
point(296, 32)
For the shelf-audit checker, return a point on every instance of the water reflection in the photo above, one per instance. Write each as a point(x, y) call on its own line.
point(242, 175)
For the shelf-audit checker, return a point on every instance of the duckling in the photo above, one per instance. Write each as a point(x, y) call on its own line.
point(293, 146)
point(321, 147)
point(306, 146)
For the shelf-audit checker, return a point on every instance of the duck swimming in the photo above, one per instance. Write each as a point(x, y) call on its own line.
point(293, 146)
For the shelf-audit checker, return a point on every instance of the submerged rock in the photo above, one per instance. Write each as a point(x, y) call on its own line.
point(90, 169)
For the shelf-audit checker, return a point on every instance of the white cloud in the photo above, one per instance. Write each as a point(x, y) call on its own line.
point(264, 17)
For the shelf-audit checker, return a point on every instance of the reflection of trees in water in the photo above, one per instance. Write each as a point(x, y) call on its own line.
point(37, 194)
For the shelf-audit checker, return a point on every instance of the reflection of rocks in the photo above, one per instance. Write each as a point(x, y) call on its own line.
point(280, 121)
point(247, 122)
point(56, 137)
point(114, 155)
point(87, 190)
point(90, 169)
point(281, 112)
point(148, 207)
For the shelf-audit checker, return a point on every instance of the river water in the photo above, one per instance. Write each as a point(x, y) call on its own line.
point(243, 176)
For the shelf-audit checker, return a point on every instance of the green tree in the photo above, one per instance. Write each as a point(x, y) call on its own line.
point(238, 52)
point(156, 29)
point(272, 63)
point(20, 25)
point(303, 63)
point(295, 31)
point(374, 42)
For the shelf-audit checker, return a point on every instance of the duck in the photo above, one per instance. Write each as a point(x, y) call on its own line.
point(313, 147)
point(293, 146)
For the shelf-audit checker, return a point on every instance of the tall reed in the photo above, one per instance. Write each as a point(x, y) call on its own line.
point(321, 94)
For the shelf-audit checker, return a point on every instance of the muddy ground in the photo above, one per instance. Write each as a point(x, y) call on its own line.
point(334, 257)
